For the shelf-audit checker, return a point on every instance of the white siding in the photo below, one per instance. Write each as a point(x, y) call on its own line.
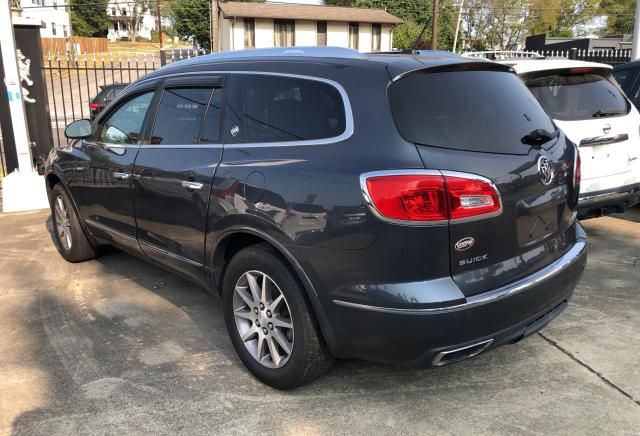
point(50, 15)
point(364, 38)
point(264, 33)
point(338, 34)
point(225, 35)
point(305, 33)
point(237, 35)
point(386, 38)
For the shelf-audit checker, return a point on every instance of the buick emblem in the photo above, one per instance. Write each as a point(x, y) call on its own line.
point(465, 243)
point(606, 129)
point(545, 170)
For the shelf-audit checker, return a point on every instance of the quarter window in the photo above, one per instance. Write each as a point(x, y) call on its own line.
point(125, 124)
point(290, 109)
point(180, 116)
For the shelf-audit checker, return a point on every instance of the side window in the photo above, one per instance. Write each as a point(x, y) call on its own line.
point(180, 115)
point(290, 109)
point(211, 127)
point(124, 125)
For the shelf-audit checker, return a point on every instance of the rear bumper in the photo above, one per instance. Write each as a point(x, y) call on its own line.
point(615, 200)
point(421, 336)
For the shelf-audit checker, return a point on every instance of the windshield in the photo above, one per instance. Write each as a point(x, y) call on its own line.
point(487, 111)
point(584, 96)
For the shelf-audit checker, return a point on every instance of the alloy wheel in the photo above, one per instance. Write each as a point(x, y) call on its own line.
point(263, 319)
point(63, 223)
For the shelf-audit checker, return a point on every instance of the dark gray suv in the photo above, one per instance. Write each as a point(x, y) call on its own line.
point(411, 210)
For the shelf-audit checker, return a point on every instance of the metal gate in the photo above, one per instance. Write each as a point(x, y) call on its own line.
point(73, 83)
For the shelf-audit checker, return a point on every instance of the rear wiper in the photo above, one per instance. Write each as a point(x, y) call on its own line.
point(608, 113)
point(538, 137)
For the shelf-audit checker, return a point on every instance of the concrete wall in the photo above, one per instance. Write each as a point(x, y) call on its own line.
point(306, 33)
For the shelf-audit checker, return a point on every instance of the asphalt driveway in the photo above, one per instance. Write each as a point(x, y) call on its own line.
point(118, 346)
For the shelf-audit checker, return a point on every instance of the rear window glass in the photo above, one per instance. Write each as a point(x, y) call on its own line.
point(578, 96)
point(485, 111)
point(291, 109)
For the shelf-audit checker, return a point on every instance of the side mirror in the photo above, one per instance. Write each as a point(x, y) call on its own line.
point(78, 129)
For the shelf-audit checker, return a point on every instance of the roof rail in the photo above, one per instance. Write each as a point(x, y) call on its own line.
point(316, 52)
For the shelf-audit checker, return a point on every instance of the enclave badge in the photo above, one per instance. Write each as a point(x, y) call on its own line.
point(545, 171)
point(465, 243)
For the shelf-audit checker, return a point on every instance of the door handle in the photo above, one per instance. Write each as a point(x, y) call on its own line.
point(121, 176)
point(191, 185)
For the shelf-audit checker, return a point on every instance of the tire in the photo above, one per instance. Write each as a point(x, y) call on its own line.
point(70, 240)
point(308, 356)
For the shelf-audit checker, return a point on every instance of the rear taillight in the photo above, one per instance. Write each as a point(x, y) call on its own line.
point(94, 106)
point(430, 196)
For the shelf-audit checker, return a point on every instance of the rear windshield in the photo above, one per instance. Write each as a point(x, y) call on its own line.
point(486, 111)
point(569, 96)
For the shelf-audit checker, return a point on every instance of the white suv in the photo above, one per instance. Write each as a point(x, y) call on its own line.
point(588, 105)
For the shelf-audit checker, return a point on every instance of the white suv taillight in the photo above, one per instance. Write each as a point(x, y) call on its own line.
point(427, 196)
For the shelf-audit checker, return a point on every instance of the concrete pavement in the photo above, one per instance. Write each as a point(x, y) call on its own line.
point(117, 345)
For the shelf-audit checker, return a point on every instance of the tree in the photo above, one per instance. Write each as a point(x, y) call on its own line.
point(415, 14)
point(620, 16)
point(191, 20)
point(89, 17)
point(135, 10)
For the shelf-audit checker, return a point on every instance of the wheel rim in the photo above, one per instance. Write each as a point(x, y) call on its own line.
point(263, 319)
point(63, 224)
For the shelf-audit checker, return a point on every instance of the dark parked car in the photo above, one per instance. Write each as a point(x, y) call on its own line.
point(394, 208)
point(628, 75)
point(107, 94)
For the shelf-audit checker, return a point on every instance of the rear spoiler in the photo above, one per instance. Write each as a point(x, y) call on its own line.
point(463, 65)
point(604, 71)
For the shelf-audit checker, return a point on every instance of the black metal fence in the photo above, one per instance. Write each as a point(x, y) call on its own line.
point(73, 83)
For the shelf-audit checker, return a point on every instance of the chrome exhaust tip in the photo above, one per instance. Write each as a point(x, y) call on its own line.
point(458, 354)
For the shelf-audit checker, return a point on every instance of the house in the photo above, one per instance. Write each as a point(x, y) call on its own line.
point(275, 24)
point(129, 20)
point(52, 13)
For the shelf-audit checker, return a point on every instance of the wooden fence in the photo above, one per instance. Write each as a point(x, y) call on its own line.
point(59, 46)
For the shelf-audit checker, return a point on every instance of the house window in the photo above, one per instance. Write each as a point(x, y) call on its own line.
point(249, 33)
point(65, 30)
point(376, 33)
point(55, 5)
point(113, 11)
point(124, 12)
point(284, 33)
point(53, 29)
point(321, 33)
point(354, 30)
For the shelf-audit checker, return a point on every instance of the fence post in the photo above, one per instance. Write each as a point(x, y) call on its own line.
point(163, 57)
point(573, 54)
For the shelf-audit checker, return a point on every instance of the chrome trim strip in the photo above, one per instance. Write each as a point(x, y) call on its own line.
point(109, 230)
point(121, 175)
point(168, 253)
point(189, 146)
point(604, 140)
point(437, 361)
point(408, 172)
point(348, 131)
point(522, 285)
point(191, 185)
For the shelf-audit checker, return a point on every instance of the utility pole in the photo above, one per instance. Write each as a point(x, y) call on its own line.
point(635, 47)
point(159, 22)
point(434, 24)
point(455, 37)
point(215, 26)
point(13, 85)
